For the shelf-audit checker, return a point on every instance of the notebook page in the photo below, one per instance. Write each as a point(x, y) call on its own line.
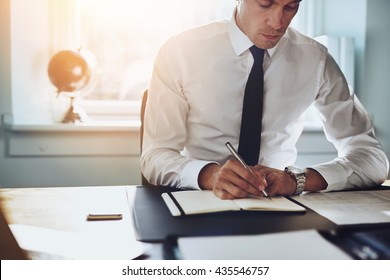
point(279, 203)
point(197, 202)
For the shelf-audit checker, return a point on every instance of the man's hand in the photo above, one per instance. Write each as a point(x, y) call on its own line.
point(280, 182)
point(231, 180)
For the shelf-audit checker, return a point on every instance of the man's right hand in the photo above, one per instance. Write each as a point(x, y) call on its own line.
point(231, 180)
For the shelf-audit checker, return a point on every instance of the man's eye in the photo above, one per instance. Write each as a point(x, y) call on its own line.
point(265, 4)
point(291, 7)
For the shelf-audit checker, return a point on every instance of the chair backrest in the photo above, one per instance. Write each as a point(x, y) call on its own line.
point(143, 106)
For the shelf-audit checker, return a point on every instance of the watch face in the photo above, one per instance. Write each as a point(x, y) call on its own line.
point(296, 170)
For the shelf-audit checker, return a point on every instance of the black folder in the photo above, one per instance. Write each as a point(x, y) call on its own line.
point(153, 221)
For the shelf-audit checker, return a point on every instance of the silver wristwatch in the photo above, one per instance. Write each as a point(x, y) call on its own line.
point(300, 176)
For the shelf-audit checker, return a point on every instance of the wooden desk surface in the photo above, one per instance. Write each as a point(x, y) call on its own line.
point(57, 208)
point(65, 209)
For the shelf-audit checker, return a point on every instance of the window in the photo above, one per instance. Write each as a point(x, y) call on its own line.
point(124, 35)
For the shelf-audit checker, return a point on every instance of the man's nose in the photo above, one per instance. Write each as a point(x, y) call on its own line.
point(275, 19)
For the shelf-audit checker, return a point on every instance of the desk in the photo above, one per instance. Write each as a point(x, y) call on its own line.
point(65, 209)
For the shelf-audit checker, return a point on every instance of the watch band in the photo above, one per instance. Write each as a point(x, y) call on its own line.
point(300, 177)
point(301, 180)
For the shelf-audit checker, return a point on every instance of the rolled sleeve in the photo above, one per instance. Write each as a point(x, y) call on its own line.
point(335, 174)
point(190, 173)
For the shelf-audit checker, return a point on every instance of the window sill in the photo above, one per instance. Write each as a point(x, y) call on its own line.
point(91, 126)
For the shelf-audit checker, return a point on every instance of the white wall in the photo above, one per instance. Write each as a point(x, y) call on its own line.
point(29, 58)
point(5, 58)
point(348, 18)
point(377, 68)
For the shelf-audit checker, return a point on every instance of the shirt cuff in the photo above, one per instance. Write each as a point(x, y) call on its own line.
point(334, 173)
point(190, 173)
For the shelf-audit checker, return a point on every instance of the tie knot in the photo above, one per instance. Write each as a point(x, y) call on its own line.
point(258, 54)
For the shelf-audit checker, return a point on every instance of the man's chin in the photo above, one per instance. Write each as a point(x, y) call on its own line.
point(266, 45)
point(267, 41)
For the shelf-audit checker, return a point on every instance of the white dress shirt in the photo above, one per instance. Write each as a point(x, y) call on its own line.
point(196, 98)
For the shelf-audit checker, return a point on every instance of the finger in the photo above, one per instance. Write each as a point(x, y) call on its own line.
point(259, 180)
point(238, 180)
point(233, 189)
point(222, 194)
point(276, 185)
point(225, 185)
point(247, 185)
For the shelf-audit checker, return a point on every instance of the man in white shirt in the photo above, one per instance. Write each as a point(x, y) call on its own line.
point(196, 101)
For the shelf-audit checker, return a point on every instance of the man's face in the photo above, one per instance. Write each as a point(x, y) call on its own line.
point(265, 21)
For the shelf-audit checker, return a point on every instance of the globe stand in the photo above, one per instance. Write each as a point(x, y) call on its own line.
point(75, 114)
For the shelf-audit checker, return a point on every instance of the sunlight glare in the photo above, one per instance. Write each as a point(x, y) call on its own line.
point(168, 16)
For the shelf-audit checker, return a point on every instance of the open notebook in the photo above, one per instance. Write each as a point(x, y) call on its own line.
point(200, 202)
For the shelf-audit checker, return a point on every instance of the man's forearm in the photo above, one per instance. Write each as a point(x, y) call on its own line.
point(206, 176)
point(314, 181)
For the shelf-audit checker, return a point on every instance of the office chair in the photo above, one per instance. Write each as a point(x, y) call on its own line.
point(143, 106)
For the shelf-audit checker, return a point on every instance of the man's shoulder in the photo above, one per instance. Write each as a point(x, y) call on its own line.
point(196, 42)
point(296, 38)
point(202, 32)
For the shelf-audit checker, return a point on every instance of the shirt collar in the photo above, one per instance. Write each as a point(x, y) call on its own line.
point(240, 41)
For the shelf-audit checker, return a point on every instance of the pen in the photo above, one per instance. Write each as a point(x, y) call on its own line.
point(239, 158)
point(102, 217)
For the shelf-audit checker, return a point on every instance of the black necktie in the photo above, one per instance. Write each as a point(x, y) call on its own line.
point(252, 112)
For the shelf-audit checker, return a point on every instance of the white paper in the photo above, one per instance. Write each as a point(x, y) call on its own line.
point(44, 243)
point(297, 245)
point(90, 240)
point(386, 183)
point(351, 207)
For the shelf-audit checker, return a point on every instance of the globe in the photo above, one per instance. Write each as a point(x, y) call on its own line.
point(72, 72)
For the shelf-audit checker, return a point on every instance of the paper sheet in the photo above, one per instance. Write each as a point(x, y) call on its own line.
point(298, 245)
point(44, 243)
point(386, 183)
point(351, 207)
